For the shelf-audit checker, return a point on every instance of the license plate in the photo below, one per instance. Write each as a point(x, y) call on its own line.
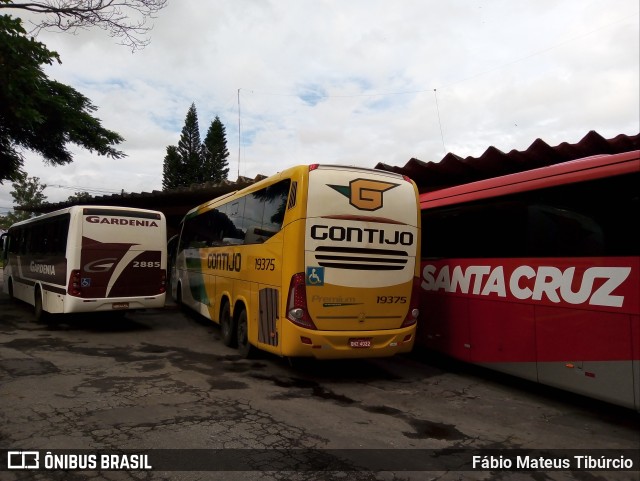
point(120, 305)
point(360, 342)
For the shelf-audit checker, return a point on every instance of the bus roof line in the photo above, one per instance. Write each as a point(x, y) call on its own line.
point(630, 161)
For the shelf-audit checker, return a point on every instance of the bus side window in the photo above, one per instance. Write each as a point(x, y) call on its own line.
point(253, 210)
point(62, 232)
point(275, 205)
point(4, 245)
point(557, 232)
point(234, 232)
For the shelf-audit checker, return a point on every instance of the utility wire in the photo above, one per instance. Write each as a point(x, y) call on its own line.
point(89, 190)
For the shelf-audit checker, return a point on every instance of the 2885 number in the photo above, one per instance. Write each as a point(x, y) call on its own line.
point(146, 264)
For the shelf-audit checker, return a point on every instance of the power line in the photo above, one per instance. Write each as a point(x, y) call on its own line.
point(89, 190)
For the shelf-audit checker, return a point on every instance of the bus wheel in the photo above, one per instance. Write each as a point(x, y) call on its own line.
point(245, 349)
point(227, 326)
point(179, 302)
point(40, 313)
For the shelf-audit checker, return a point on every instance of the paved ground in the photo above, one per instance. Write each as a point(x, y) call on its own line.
point(161, 379)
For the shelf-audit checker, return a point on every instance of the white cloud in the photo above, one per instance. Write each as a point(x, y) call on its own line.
point(351, 82)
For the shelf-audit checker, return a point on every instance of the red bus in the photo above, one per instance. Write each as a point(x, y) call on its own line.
point(536, 274)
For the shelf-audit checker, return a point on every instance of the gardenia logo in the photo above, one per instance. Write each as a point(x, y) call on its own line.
point(94, 219)
point(47, 269)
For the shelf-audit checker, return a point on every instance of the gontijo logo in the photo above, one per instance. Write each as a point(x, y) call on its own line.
point(364, 194)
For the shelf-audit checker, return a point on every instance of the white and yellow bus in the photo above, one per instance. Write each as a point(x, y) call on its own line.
point(316, 261)
point(87, 259)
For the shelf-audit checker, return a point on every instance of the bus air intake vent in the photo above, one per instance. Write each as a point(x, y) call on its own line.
point(292, 195)
point(361, 259)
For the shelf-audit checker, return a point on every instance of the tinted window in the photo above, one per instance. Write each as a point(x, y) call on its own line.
point(251, 219)
point(585, 219)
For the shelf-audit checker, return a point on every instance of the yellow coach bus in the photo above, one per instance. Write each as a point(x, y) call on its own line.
point(316, 261)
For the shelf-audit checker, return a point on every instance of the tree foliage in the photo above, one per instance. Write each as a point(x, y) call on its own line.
point(79, 197)
point(172, 171)
point(193, 161)
point(190, 148)
point(215, 153)
point(27, 193)
point(40, 114)
point(127, 20)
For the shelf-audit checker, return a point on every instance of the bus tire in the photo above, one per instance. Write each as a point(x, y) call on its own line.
point(227, 326)
point(179, 294)
point(40, 314)
point(245, 349)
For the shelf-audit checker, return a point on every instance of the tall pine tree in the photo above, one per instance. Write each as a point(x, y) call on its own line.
point(190, 149)
point(193, 162)
point(215, 153)
point(172, 170)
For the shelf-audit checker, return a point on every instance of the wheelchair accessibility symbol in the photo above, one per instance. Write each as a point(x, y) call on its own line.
point(315, 276)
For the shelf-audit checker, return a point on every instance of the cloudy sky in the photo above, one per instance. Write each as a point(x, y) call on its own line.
point(349, 82)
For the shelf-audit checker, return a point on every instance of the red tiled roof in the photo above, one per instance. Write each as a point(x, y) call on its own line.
point(454, 170)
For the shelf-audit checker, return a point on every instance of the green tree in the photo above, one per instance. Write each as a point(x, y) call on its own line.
point(27, 193)
point(193, 162)
point(190, 148)
point(172, 171)
point(215, 153)
point(183, 164)
point(79, 197)
point(40, 114)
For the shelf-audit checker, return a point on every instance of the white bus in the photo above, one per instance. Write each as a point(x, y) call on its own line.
point(87, 259)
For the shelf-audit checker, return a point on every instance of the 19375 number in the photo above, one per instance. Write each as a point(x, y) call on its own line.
point(391, 300)
point(265, 264)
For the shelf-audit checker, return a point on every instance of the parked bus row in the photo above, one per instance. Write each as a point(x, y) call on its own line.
point(536, 274)
point(316, 261)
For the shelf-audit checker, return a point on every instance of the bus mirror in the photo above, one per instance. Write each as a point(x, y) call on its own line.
point(4, 241)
